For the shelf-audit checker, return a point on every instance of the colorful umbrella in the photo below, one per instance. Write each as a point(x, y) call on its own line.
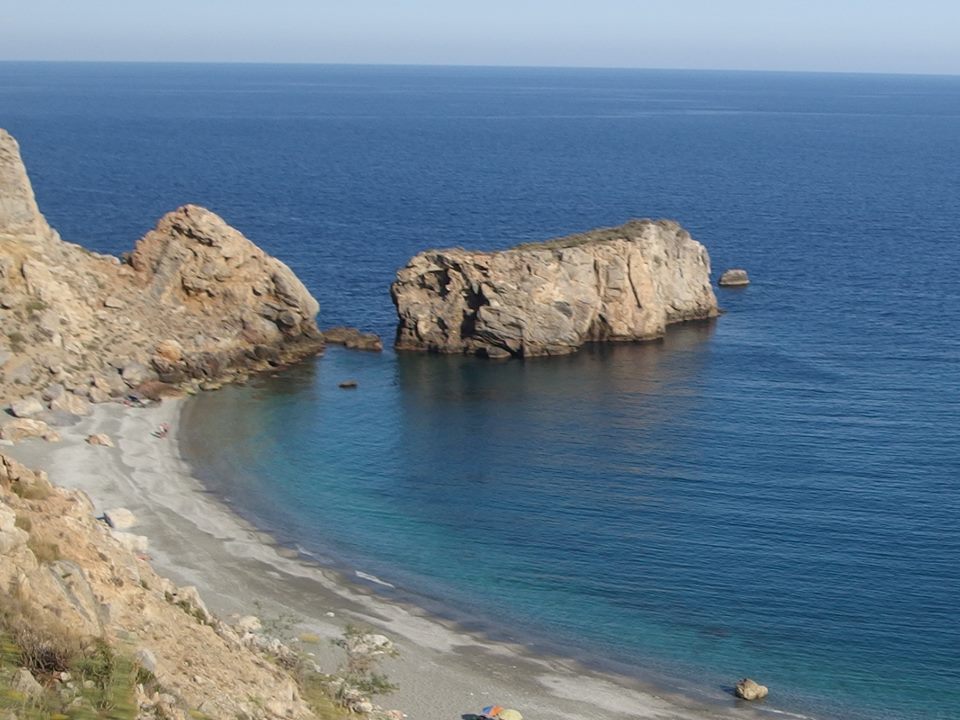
point(491, 711)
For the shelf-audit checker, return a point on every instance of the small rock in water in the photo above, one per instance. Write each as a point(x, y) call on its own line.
point(353, 339)
point(734, 277)
point(348, 384)
point(750, 690)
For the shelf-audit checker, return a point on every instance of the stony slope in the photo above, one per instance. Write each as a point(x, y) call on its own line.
point(76, 578)
point(618, 284)
point(195, 302)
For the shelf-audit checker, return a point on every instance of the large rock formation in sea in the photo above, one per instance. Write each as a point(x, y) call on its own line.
point(195, 302)
point(615, 284)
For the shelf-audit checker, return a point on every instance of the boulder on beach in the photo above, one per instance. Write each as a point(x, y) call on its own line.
point(26, 408)
point(23, 428)
point(132, 543)
point(120, 518)
point(748, 689)
point(734, 277)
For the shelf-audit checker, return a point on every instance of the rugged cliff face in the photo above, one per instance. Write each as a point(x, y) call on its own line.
point(67, 580)
point(197, 302)
point(618, 284)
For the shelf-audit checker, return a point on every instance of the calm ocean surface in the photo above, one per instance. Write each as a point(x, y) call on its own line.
point(774, 494)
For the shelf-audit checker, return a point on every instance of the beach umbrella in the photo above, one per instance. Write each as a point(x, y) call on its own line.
point(491, 711)
point(509, 714)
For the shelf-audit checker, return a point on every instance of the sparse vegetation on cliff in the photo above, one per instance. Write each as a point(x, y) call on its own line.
point(599, 235)
point(47, 671)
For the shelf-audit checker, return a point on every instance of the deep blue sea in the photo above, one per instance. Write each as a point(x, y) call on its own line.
point(775, 494)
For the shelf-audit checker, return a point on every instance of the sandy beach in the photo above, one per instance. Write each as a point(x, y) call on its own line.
point(443, 672)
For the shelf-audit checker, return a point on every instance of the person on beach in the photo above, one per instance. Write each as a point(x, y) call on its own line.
point(162, 430)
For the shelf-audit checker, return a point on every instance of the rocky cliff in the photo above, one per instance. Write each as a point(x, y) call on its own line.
point(195, 303)
point(71, 586)
point(619, 284)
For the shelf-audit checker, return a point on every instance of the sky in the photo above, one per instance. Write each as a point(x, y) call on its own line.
point(896, 36)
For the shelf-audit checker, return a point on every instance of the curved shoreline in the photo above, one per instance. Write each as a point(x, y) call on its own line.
point(444, 672)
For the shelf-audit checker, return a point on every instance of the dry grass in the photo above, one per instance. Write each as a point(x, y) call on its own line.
point(46, 552)
point(30, 492)
point(43, 647)
point(600, 235)
point(105, 680)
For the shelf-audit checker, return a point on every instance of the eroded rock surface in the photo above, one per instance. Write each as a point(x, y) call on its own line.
point(197, 302)
point(734, 277)
point(748, 689)
point(618, 284)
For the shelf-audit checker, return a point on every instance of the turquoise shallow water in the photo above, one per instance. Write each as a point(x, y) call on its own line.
point(773, 494)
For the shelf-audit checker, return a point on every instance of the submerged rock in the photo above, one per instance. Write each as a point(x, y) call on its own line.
point(618, 284)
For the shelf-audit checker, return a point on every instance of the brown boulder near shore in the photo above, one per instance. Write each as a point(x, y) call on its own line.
point(353, 339)
point(197, 302)
point(748, 689)
point(611, 285)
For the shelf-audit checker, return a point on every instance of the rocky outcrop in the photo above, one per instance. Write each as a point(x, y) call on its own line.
point(353, 339)
point(196, 303)
point(20, 217)
point(68, 573)
point(748, 689)
point(734, 277)
point(612, 285)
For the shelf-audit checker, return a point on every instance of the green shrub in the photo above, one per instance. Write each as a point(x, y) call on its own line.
point(360, 669)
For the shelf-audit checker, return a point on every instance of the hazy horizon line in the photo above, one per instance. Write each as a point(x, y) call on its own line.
point(480, 66)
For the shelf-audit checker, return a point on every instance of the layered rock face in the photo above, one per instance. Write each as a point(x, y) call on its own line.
point(197, 302)
point(619, 284)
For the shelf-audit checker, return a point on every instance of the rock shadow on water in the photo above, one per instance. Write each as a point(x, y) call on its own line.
point(596, 370)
